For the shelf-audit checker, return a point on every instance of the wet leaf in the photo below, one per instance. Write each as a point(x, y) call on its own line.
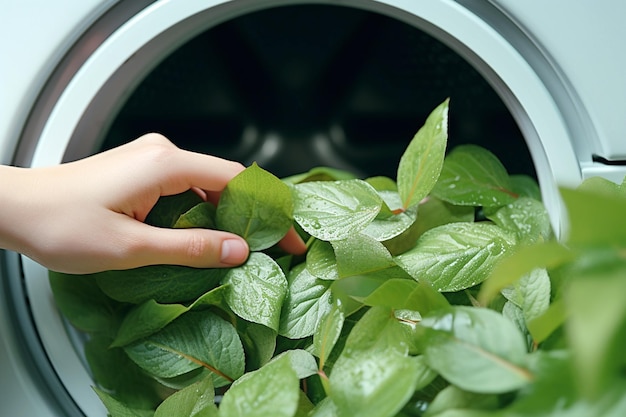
point(396, 222)
point(373, 383)
point(334, 210)
point(473, 176)
point(421, 163)
point(531, 293)
point(527, 217)
point(321, 262)
point(476, 349)
point(302, 362)
point(270, 391)
point(361, 255)
point(525, 259)
point(327, 332)
point(257, 290)
point(307, 301)
point(196, 400)
point(456, 256)
point(194, 340)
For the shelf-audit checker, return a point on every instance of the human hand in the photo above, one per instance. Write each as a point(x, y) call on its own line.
point(87, 216)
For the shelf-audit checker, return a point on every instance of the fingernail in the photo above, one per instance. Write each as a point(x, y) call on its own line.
point(234, 251)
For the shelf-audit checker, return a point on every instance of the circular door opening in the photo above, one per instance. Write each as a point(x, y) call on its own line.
point(295, 87)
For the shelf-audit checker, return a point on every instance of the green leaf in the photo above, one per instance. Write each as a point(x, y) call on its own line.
point(596, 324)
point(456, 256)
point(194, 340)
point(305, 406)
point(325, 408)
point(525, 259)
point(393, 293)
point(150, 316)
point(83, 303)
point(435, 212)
point(302, 362)
point(118, 409)
point(168, 208)
point(146, 319)
point(473, 176)
point(201, 215)
point(259, 343)
point(392, 225)
point(270, 391)
point(307, 301)
point(475, 349)
point(515, 314)
point(352, 290)
point(257, 206)
point(425, 299)
point(378, 329)
point(527, 217)
point(320, 174)
point(525, 186)
point(373, 383)
point(321, 262)
point(453, 397)
point(381, 183)
point(553, 394)
point(327, 332)
point(335, 210)
point(602, 186)
point(196, 400)
point(120, 376)
point(162, 283)
point(407, 294)
point(593, 218)
point(183, 381)
point(421, 163)
point(360, 254)
point(257, 290)
point(542, 327)
point(531, 293)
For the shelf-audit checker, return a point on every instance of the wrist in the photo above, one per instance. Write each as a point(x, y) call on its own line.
point(15, 188)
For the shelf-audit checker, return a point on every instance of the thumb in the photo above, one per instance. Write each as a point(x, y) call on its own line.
point(199, 248)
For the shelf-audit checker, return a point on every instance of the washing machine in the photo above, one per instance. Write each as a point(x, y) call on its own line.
point(290, 84)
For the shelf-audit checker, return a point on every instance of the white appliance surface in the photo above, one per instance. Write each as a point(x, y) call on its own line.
point(34, 36)
point(570, 106)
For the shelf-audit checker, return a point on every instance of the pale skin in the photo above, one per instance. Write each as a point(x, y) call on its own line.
point(88, 216)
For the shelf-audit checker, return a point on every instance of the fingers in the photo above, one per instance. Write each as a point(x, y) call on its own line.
point(179, 170)
point(198, 248)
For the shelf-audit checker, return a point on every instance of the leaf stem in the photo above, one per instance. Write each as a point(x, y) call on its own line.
point(310, 242)
point(325, 381)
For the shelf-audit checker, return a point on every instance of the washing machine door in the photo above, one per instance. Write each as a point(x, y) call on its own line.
point(34, 37)
point(119, 65)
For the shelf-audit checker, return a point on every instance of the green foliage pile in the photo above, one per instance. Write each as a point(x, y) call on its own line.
point(442, 293)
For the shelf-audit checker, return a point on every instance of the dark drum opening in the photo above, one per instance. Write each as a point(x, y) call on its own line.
point(295, 87)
